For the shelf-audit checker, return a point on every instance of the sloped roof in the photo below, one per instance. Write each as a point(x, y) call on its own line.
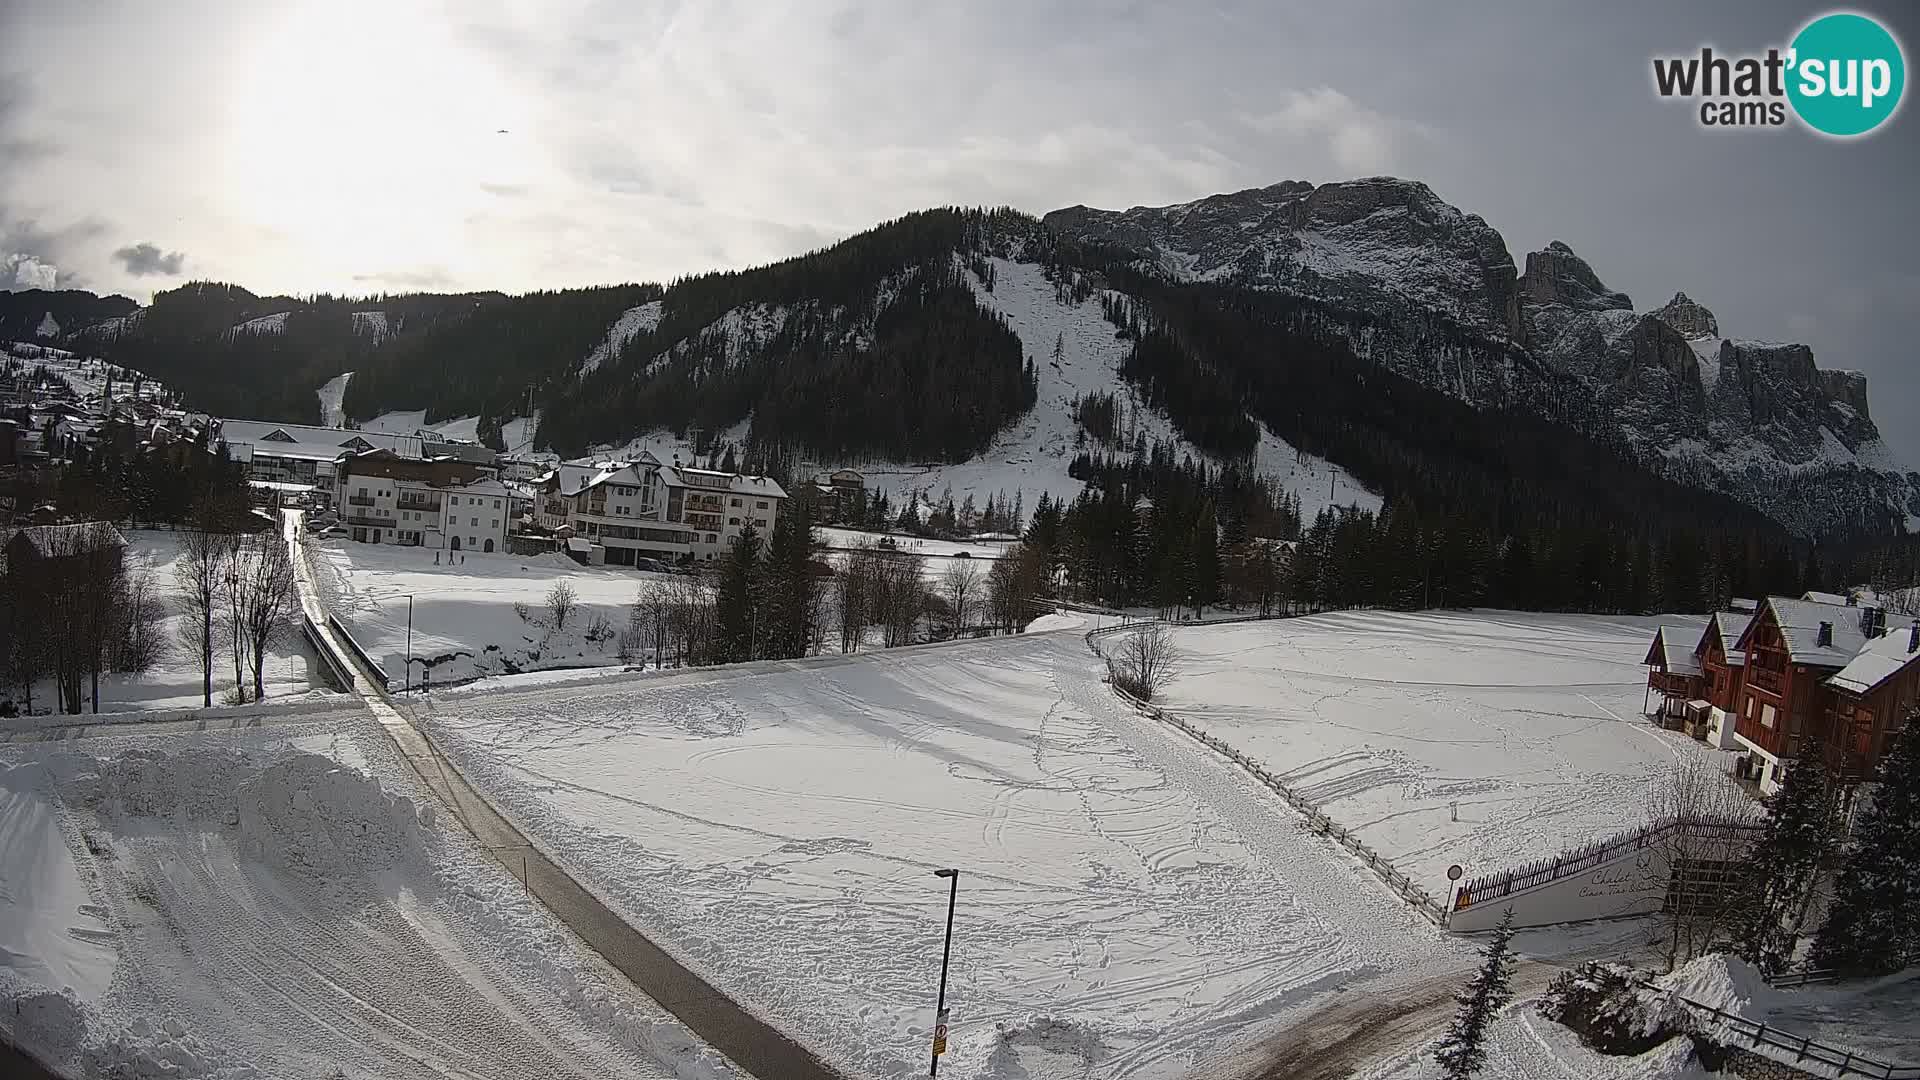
point(1881, 659)
point(306, 441)
point(1731, 626)
point(52, 540)
point(1799, 622)
point(709, 480)
point(1671, 645)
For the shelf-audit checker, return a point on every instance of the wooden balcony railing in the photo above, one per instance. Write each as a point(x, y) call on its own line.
point(1766, 679)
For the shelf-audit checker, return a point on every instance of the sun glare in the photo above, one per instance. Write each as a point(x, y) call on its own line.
point(361, 134)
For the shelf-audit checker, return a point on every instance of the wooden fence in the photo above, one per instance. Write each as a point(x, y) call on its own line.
point(1402, 886)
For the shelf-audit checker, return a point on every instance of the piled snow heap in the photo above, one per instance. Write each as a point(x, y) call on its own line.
point(1727, 983)
point(301, 811)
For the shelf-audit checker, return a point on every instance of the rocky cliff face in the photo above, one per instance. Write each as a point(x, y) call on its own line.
point(1756, 420)
point(1374, 242)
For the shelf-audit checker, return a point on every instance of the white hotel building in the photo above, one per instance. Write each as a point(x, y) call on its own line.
point(645, 510)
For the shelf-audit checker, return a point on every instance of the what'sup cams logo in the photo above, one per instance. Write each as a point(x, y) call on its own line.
point(1842, 76)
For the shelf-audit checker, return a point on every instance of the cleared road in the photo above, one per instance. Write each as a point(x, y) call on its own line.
point(721, 1022)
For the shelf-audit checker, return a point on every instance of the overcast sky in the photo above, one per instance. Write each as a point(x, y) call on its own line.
point(368, 145)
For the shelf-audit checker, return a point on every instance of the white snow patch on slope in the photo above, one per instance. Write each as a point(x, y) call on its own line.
point(631, 323)
point(1031, 456)
point(517, 432)
point(372, 324)
point(331, 394)
point(49, 326)
point(265, 324)
point(1707, 349)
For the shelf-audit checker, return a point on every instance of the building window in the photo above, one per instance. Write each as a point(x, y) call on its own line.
point(762, 522)
point(1766, 716)
point(475, 522)
point(472, 540)
point(761, 505)
point(712, 539)
point(453, 500)
point(496, 523)
point(735, 502)
point(496, 504)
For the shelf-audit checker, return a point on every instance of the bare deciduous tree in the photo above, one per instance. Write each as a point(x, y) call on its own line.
point(960, 582)
point(1703, 802)
point(1144, 662)
point(561, 601)
point(901, 597)
point(200, 576)
point(267, 599)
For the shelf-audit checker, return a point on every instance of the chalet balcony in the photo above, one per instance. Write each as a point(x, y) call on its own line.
point(1674, 684)
point(430, 505)
point(368, 519)
point(1767, 679)
point(360, 500)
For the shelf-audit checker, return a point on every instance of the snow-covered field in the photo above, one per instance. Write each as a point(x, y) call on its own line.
point(277, 903)
point(1127, 906)
point(175, 681)
point(1531, 724)
point(464, 624)
point(331, 394)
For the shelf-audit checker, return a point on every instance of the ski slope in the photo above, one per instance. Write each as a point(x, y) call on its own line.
point(1127, 906)
point(1032, 455)
point(1530, 724)
point(279, 903)
point(331, 394)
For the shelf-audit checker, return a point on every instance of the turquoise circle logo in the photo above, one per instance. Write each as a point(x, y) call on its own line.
point(1846, 73)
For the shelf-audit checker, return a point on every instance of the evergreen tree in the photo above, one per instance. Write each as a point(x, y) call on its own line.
point(1802, 818)
point(1873, 926)
point(734, 613)
point(1463, 1050)
point(789, 593)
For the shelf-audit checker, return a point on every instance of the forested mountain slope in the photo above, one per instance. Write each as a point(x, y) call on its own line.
point(1368, 324)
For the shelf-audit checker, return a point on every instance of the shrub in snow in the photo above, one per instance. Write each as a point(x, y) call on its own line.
point(1604, 1005)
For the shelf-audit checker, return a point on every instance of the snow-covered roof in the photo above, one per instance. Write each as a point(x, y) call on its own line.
point(52, 540)
point(1673, 645)
point(1730, 625)
point(1883, 657)
point(763, 487)
point(309, 443)
point(1800, 621)
point(488, 486)
point(1818, 597)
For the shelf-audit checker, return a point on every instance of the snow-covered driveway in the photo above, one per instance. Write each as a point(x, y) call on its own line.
point(1128, 906)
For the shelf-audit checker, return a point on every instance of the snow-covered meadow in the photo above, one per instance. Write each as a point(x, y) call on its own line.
point(1527, 727)
point(464, 621)
point(1127, 906)
point(278, 902)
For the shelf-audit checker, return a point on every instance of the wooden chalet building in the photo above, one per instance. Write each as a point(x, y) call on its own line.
point(1673, 670)
point(1793, 648)
point(1819, 667)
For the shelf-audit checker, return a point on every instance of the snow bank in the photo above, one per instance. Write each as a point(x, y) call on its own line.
point(309, 811)
point(1725, 982)
point(51, 931)
point(1059, 620)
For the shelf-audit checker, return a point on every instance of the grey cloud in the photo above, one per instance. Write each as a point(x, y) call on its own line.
point(144, 259)
point(19, 270)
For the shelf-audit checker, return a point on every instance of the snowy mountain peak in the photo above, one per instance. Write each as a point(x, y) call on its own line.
point(1379, 240)
point(1692, 319)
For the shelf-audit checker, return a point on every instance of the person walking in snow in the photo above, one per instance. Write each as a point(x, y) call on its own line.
point(436, 558)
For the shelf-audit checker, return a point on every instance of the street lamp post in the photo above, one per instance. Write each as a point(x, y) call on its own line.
point(407, 683)
point(946, 955)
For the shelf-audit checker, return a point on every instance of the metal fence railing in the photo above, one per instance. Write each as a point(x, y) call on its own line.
point(1774, 1043)
point(1582, 859)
